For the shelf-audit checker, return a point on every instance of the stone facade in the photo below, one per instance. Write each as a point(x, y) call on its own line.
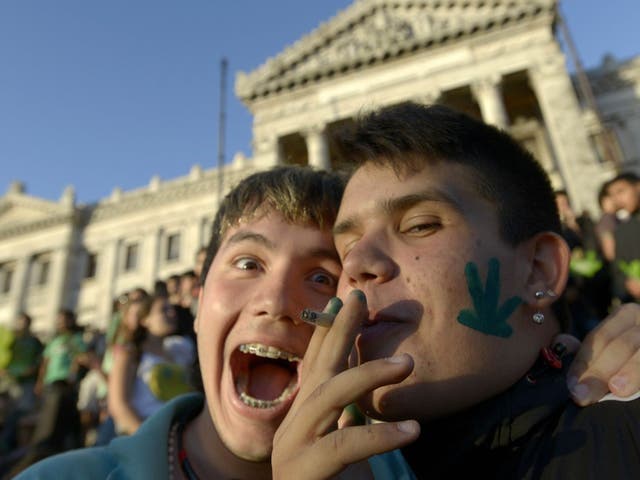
point(61, 255)
point(497, 60)
point(616, 86)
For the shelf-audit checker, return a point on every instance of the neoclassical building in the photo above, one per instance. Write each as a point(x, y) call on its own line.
point(498, 60)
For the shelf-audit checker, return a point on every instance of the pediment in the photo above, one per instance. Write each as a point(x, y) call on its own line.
point(373, 31)
point(22, 210)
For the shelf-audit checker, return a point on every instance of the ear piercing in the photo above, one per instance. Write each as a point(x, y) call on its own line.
point(538, 317)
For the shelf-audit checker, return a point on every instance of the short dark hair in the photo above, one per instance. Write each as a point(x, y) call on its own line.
point(407, 136)
point(628, 177)
point(26, 317)
point(302, 195)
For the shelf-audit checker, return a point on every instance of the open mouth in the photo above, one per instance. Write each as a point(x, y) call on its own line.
point(264, 376)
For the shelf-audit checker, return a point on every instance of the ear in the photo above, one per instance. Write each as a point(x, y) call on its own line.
point(196, 321)
point(549, 258)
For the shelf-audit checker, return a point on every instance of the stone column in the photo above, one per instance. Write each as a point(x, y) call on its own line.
point(107, 270)
point(488, 94)
point(267, 151)
point(576, 160)
point(18, 287)
point(318, 147)
point(191, 234)
point(58, 283)
point(151, 256)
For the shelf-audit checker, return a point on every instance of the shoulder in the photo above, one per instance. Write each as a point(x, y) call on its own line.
point(141, 455)
point(84, 463)
point(390, 465)
point(180, 348)
point(607, 422)
point(599, 441)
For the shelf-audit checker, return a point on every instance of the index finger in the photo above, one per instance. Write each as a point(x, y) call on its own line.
point(615, 325)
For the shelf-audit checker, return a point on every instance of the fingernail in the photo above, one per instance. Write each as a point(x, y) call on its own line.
point(580, 392)
point(407, 426)
point(619, 383)
point(402, 358)
point(572, 381)
point(361, 296)
point(334, 306)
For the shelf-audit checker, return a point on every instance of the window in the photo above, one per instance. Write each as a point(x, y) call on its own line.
point(131, 257)
point(40, 270)
point(92, 265)
point(173, 247)
point(6, 277)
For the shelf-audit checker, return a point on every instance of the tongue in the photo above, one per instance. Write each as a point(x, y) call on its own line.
point(267, 381)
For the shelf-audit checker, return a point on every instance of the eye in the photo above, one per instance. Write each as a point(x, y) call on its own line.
point(247, 263)
point(422, 227)
point(323, 278)
point(419, 224)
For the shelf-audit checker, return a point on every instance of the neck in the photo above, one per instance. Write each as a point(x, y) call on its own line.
point(485, 439)
point(209, 456)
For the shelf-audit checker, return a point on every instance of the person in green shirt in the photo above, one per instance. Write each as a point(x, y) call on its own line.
point(18, 377)
point(58, 426)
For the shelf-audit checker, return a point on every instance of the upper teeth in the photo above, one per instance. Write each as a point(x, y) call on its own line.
point(268, 351)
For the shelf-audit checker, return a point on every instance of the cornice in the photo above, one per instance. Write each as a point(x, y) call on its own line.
point(159, 195)
point(48, 207)
point(166, 193)
point(54, 213)
point(374, 31)
point(17, 229)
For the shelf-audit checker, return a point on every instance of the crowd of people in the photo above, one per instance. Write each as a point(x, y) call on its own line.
point(605, 253)
point(434, 344)
point(83, 387)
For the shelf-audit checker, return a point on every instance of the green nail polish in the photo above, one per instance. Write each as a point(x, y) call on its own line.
point(334, 306)
point(361, 296)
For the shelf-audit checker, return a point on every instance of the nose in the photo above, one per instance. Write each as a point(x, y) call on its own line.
point(369, 261)
point(277, 298)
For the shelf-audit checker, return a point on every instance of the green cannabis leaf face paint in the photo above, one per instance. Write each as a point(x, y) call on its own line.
point(487, 317)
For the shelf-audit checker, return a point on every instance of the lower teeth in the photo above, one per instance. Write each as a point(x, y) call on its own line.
point(257, 403)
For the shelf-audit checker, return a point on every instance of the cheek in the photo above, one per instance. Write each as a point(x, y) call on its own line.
point(440, 275)
point(219, 308)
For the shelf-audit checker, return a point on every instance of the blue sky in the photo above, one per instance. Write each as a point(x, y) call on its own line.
point(104, 93)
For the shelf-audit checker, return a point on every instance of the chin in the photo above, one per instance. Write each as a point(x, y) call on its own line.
point(382, 404)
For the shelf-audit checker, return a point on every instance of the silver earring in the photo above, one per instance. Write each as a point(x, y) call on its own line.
point(538, 317)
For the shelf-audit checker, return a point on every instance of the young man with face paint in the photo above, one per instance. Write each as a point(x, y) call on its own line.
point(271, 256)
point(449, 238)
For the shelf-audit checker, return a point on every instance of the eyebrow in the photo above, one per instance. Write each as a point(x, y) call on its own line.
point(322, 253)
point(398, 204)
point(244, 235)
